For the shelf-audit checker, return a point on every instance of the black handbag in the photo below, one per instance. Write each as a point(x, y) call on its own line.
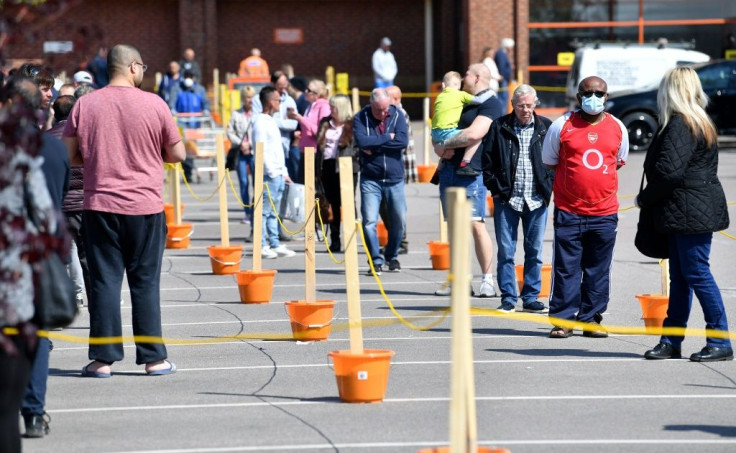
point(232, 158)
point(54, 297)
point(648, 240)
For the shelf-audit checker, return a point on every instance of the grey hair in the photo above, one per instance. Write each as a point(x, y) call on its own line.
point(524, 90)
point(379, 93)
point(507, 42)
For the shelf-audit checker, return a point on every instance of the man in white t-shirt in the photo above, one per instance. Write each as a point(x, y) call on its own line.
point(384, 65)
point(275, 174)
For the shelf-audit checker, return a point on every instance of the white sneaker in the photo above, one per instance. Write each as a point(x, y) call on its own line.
point(486, 290)
point(281, 250)
point(268, 253)
point(447, 290)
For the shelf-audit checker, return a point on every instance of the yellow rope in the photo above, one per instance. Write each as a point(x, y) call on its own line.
point(275, 211)
point(237, 197)
point(324, 233)
point(444, 311)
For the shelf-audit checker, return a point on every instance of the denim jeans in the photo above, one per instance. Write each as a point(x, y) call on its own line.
point(35, 396)
point(506, 225)
point(245, 163)
point(371, 194)
point(581, 266)
point(473, 185)
point(690, 272)
point(270, 222)
point(118, 245)
point(292, 164)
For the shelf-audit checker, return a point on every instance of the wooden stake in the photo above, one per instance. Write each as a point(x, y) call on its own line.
point(176, 195)
point(665, 277)
point(216, 91)
point(258, 201)
point(356, 100)
point(351, 239)
point(310, 284)
point(443, 225)
point(463, 428)
point(427, 136)
point(222, 191)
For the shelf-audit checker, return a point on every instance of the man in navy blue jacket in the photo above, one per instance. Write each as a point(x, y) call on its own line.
point(381, 135)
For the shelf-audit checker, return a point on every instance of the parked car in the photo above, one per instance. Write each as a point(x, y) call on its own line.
point(638, 111)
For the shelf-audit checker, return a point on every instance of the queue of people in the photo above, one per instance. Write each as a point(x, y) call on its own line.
point(106, 178)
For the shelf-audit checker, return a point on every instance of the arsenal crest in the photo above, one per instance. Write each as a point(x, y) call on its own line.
point(592, 137)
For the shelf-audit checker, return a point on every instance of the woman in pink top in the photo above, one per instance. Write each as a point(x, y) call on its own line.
point(319, 107)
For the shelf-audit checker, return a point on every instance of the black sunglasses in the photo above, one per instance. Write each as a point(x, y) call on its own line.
point(586, 94)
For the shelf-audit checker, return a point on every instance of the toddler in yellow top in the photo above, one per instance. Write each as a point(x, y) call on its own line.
point(447, 110)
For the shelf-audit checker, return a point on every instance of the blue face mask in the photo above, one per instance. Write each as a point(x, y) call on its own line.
point(593, 105)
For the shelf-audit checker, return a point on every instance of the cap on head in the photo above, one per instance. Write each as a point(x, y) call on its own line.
point(83, 77)
point(385, 41)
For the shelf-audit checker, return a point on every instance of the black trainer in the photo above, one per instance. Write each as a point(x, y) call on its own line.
point(36, 425)
point(466, 171)
point(394, 266)
point(377, 267)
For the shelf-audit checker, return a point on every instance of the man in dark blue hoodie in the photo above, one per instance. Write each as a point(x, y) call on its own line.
point(381, 135)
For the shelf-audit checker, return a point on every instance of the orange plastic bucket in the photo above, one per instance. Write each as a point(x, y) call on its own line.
point(169, 212)
point(225, 260)
point(382, 234)
point(178, 235)
point(425, 172)
point(489, 202)
point(439, 253)
point(310, 321)
point(255, 287)
point(653, 310)
point(362, 378)
point(546, 289)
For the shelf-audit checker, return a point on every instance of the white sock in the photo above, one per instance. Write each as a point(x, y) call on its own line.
point(488, 278)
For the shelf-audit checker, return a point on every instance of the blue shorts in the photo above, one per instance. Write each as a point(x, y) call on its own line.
point(439, 135)
point(476, 191)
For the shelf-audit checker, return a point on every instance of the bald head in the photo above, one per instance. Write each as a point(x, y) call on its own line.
point(477, 78)
point(255, 52)
point(394, 93)
point(120, 57)
point(593, 81)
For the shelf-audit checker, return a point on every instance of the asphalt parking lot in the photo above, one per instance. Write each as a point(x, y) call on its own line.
point(240, 388)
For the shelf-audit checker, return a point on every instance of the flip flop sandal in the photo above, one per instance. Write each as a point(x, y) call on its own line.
point(170, 370)
point(86, 372)
point(560, 332)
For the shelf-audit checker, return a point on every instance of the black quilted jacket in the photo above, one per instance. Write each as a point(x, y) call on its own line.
point(682, 183)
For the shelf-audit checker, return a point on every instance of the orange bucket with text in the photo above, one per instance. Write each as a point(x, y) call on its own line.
point(310, 321)
point(362, 378)
point(255, 287)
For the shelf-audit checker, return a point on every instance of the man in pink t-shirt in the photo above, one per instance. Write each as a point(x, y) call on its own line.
point(586, 148)
point(121, 136)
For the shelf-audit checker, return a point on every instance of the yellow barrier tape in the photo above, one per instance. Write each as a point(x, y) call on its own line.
point(445, 311)
point(275, 211)
point(324, 232)
point(237, 197)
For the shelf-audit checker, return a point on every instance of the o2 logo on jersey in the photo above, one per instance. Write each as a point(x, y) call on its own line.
point(593, 159)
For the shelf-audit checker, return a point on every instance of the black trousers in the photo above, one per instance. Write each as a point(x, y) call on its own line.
point(14, 374)
point(133, 245)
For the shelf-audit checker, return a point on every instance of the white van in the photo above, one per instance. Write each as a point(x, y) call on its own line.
point(630, 68)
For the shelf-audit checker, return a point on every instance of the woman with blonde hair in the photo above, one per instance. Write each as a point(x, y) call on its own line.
point(334, 140)
point(688, 205)
point(239, 133)
point(316, 95)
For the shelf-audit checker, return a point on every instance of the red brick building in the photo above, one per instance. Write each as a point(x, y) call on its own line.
point(342, 34)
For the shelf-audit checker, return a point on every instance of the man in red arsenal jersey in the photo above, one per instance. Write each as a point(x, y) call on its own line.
point(586, 148)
